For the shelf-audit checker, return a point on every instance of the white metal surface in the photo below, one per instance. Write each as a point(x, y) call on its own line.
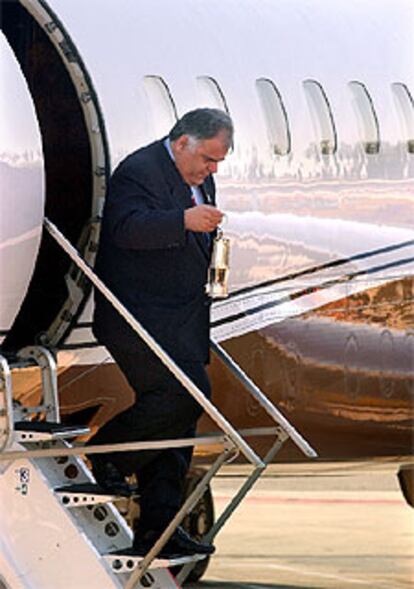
point(44, 540)
point(126, 564)
point(44, 545)
point(22, 187)
point(82, 499)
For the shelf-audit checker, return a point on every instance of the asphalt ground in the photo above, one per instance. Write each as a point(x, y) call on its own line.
point(336, 530)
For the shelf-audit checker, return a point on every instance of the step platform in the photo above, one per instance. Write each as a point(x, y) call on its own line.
point(124, 561)
point(85, 494)
point(45, 431)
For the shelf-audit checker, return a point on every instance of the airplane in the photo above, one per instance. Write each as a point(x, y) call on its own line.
point(317, 193)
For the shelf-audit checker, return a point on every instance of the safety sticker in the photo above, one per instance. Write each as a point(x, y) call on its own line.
point(23, 480)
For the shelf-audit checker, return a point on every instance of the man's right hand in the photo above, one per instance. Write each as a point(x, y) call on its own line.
point(202, 218)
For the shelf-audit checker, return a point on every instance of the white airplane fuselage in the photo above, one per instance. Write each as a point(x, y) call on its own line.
point(318, 194)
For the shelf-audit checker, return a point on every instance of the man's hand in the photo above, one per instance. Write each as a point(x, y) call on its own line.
point(202, 218)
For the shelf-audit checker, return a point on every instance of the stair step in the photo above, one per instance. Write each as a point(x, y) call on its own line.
point(43, 431)
point(123, 561)
point(84, 494)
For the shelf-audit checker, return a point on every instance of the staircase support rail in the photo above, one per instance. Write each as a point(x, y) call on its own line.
point(187, 383)
point(264, 402)
point(6, 405)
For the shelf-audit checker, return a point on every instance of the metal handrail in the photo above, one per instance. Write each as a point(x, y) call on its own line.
point(237, 499)
point(186, 508)
point(264, 402)
point(7, 409)
point(79, 450)
point(231, 438)
point(187, 383)
point(251, 387)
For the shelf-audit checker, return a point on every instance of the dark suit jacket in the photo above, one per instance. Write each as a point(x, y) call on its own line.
point(150, 262)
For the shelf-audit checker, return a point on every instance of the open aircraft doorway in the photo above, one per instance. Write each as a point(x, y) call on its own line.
point(76, 163)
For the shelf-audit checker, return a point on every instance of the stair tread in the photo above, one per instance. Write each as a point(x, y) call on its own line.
point(84, 489)
point(47, 427)
point(130, 553)
point(127, 554)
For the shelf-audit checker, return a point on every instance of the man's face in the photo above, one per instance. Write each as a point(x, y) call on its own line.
point(197, 161)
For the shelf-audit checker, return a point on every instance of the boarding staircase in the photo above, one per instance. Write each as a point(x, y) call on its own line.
point(58, 529)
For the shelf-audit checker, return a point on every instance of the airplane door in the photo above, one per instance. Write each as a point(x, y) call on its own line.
point(22, 187)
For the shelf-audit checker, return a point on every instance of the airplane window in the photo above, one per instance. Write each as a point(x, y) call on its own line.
point(367, 117)
point(163, 109)
point(405, 109)
point(275, 116)
point(211, 94)
point(321, 115)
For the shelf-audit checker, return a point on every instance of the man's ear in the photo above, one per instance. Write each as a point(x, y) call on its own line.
point(181, 143)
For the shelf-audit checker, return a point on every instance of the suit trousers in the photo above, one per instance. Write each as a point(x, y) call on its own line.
point(163, 409)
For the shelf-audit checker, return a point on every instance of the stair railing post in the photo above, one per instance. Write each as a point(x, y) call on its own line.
point(6, 405)
point(47, 364)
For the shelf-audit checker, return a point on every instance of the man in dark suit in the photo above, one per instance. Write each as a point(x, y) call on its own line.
point(154, 254)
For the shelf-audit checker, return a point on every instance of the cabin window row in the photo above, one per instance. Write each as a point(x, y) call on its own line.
point(276, 118)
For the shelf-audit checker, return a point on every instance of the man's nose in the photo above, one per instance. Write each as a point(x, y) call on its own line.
point(213, 167)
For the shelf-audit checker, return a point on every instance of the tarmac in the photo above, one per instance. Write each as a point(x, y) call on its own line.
point(335, 530)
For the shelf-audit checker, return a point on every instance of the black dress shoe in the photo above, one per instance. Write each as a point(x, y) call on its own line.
point(182, 541)
point(109, 478)
point(180, 544)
